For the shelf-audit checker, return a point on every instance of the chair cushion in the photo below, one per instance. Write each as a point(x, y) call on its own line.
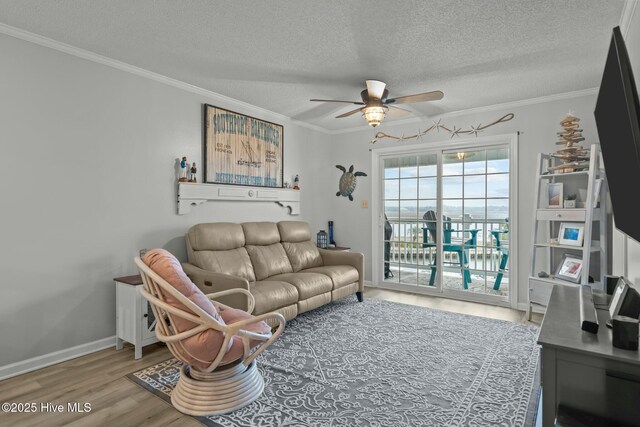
point(341, 275)
point(218, 236)
point(307, 284)
point(294, 231)
point(203, 347)
point(231, 316)
point(302, 255)
point(260, 233)
point(271, 295)
point(269, 260)
point(235, 262)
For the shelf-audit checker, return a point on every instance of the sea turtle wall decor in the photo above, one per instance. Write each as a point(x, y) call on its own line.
point(347, 182)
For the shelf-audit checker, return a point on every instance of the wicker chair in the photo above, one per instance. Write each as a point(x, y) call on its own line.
point(226, 380)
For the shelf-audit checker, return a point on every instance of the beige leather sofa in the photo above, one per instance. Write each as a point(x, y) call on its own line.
point(277, 262)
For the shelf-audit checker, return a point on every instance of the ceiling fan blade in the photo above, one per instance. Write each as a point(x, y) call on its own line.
point(396, 112)
point(375, 88)
point(349, 113)
point(420, 97)
point(336, 100)
point(385, 95)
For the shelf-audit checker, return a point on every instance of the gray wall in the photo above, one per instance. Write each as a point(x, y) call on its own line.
point(538, 124)
point(88, 179)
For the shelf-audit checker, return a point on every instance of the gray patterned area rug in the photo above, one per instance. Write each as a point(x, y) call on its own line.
point(381, 363)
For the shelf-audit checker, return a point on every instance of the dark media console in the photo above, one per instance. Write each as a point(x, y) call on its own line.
point(584, 371)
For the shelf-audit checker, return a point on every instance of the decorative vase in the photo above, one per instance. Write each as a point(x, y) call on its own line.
point(331, 241)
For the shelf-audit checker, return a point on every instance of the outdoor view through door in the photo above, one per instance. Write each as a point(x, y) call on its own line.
point(471, 188)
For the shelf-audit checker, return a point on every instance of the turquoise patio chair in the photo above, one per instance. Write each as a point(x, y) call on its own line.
point(504, 257)
point(461, 248)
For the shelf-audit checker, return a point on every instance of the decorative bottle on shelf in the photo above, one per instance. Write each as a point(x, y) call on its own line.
point(322, 240)
point(331, 241)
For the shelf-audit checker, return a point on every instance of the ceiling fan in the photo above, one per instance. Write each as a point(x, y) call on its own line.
point(376, 102)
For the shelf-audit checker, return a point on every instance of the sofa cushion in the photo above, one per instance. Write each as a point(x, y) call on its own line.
point(294, 231)
point(203, 347)
point(260, 233)
point(268, 260)
point(307, 284)
point(271, 295)
point(235, 262)
point(218, 236)
point(341, 275)
point(302, 255)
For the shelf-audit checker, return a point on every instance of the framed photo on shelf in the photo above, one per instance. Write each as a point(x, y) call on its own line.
point(569, 269)
point(571, 233)
point(242, 150)
point(555, 195)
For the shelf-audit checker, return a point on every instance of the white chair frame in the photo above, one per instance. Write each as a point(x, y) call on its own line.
point(219, 388)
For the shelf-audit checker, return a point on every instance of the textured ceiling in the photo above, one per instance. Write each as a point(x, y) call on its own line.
point(279, 54)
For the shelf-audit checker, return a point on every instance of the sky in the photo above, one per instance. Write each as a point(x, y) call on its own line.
point(411, 189)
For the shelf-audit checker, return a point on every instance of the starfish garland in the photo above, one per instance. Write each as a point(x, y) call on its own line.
point(437, 125)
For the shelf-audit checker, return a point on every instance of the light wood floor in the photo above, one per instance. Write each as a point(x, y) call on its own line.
point(455, 306)
point(99, 378)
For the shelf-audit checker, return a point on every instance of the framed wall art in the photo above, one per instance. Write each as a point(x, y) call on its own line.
point(242, 150)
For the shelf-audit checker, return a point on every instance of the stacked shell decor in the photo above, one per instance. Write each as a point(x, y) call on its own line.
point(347, 182)
point(572, 156)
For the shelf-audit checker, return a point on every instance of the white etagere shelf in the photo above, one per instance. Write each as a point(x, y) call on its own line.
point(547, 221)
point(193, 194)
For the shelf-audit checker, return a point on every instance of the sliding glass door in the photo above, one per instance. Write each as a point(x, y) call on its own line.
point(410, 189)
point(446, 216)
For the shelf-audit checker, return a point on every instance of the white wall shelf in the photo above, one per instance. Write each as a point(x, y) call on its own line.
point(192, 194)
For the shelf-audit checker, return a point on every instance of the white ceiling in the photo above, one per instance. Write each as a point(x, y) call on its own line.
point(279, 54)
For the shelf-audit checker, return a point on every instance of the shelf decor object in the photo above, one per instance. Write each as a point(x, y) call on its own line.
point(570, 268)
point(572, 155)
point(571, 233)
point(555, 193)
point(242, 150)
point(581, 232)
point(191, 194)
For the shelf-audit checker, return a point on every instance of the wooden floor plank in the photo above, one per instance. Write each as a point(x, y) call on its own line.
point(99, 378)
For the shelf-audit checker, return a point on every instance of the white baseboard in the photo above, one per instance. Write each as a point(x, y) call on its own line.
point(368, 283)
point(24, 366)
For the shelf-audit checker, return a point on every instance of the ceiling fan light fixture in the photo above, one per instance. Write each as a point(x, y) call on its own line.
point(374, 115)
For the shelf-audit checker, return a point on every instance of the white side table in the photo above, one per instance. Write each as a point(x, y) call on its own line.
point(135, 322)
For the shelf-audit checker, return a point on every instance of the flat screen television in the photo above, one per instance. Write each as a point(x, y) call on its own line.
point(618, 121)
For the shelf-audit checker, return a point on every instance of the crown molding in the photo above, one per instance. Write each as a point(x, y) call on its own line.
point(477, 110)
point(141, 72)
point(627, 15)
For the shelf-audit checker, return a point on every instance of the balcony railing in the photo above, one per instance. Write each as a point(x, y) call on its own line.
point(407, 243)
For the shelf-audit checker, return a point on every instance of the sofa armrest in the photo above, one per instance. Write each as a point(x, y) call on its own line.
point(210, 281)
point(354, 259)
